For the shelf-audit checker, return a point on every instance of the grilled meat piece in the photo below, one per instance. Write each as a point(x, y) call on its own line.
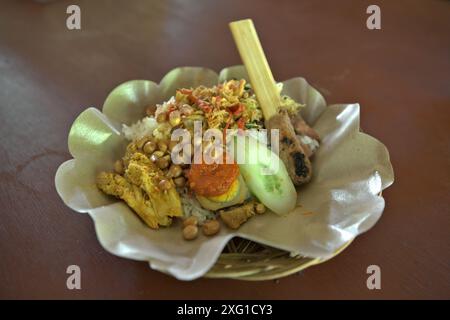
point(302, 128)
point(307, 136)
point(291, 150)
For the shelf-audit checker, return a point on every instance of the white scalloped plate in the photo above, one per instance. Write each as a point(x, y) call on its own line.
point(342, 200)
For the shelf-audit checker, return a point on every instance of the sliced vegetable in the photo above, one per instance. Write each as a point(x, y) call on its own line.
point(266, 176)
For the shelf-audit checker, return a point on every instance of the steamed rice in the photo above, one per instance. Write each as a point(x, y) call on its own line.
point(140, 129)
point(192, 207)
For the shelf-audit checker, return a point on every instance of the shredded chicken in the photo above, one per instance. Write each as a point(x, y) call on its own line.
point(139, 189)
point(144, 174)
point(116, 185)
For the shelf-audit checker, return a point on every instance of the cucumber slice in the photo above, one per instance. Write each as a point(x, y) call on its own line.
point(265, 175)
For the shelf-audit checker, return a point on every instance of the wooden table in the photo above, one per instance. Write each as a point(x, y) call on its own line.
point(400, 75)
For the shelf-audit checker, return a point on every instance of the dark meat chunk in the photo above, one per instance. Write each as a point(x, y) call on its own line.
point(302, 128)
point(300, 167)
point(305, 133)
point(291, 150)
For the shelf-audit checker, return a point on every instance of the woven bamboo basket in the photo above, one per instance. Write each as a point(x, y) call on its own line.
point(247, 260)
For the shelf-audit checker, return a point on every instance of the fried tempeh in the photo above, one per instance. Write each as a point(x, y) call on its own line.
point(235, 217)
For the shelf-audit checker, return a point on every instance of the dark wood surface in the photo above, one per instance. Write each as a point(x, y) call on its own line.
point(400, 75)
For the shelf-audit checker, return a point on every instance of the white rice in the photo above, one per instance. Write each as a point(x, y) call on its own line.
point(192, 207)
point(139, 129)
point(160, 108)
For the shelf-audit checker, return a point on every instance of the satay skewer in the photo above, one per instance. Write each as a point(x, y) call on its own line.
point(258, 69)
point(263, 83)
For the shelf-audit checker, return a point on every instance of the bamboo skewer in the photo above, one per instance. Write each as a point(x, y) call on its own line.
point(291, 150)
point(258, 69)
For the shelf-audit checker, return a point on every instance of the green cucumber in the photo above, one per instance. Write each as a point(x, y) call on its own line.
point(266, 175)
